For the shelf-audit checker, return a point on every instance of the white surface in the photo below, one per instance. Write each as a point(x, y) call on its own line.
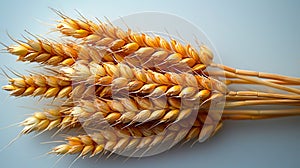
point(257, 35)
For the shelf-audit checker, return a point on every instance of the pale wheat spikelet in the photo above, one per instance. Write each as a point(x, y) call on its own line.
point(121, 76)
point(48, 120)
point(138, 111)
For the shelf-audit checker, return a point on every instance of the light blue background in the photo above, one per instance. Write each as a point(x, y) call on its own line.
point(256, 35)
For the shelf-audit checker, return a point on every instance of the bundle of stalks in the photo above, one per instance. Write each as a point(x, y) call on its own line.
point(134, 92)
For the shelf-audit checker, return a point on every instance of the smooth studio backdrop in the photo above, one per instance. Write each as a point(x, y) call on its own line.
point(255, 35)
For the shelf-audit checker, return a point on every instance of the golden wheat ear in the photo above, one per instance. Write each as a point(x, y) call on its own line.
point(132, 140)
point(106, 34)
point(59, 118)
point(43, 51)
point(40, 85)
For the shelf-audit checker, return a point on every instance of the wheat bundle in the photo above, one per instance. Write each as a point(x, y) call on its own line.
point(131, 92)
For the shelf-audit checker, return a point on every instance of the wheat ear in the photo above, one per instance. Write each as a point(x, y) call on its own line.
point(48, 120)
point(35, 85)
point(111, 142)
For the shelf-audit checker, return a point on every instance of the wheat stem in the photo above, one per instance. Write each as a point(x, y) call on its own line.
point(263, 95)
point(287, 79)
point(277, 112)
point(262, 102)
point(250, 117)
point(237, 81)
point(259, 81)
